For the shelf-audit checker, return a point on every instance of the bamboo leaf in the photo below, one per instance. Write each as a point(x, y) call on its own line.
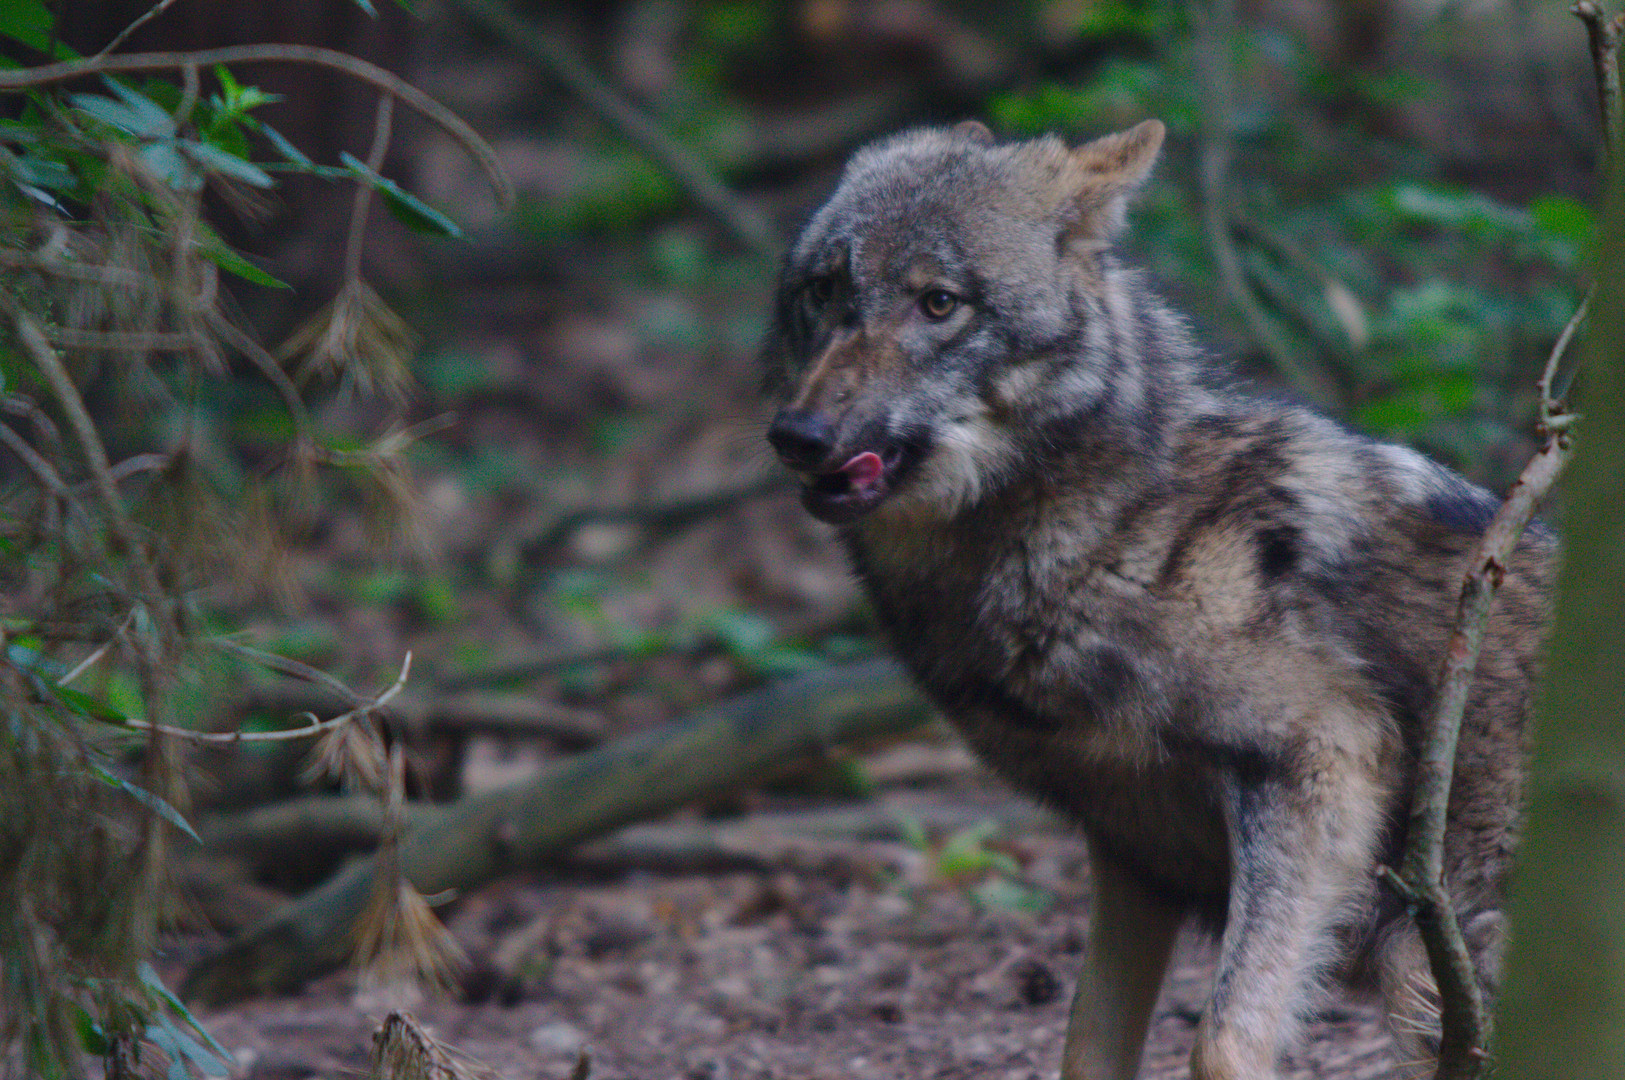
point(411, 211)
point(146, 798)
point(213, 157)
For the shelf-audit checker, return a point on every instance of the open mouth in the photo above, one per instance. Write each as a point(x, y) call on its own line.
point(857, 487)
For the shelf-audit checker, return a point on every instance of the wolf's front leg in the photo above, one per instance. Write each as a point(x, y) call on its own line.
point(1301, 850)
point(1131, 935)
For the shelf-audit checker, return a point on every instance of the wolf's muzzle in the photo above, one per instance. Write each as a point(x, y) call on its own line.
point(803, 439)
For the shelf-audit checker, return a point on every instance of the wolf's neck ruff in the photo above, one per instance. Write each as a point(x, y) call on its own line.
point(1201, 624)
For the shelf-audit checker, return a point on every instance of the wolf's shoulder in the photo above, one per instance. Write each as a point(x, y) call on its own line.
point(1319, 502)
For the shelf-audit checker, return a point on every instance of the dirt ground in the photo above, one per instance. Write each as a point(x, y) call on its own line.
point(837, 956)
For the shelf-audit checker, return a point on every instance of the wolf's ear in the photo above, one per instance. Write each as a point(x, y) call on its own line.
point(1105, 173)
point(975, 131)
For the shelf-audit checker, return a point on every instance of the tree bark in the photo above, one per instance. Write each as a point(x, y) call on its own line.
point(1563, 1008)
point(736, 743)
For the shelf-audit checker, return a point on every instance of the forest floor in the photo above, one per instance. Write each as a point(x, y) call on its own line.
point(840, 954)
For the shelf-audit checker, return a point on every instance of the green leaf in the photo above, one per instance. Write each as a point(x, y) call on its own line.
point(287, 149)
point(1564, 217)
point(122, 117)
point(232, 261)
point(145, 798)
point(743, 633)
point(229, 85)
point(167, 161)
point(142, 103)
point(44, 173)
point(27, 21)
point(213, 157)
point(150, 978)
point(91, 1036)
point(1469, 211)
point(182, 1049)
point(26, 658)
point(236, 99)
point(1002, 892)
point(411, 211)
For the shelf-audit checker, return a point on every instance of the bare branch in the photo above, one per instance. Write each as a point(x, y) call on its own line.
point(124, 35)
point(96, 654)
point(1553, 413)
point(56, 266)
point(363, 191)
point(749, 228)
point(267, 365)
point(56, 375)
point(1465, 1021)
point(1605, 35)
point(119, 340)
point(315, 727)
point(189, 92)
point(42, 469)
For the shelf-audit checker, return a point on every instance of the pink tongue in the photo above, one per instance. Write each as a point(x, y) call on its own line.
point(863, 470)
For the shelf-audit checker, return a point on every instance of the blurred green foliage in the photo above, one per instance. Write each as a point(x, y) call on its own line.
point(1433, 305)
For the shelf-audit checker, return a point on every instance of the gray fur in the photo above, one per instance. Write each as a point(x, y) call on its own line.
point(1203, 625)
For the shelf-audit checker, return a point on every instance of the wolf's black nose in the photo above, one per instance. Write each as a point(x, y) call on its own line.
point(803, 439)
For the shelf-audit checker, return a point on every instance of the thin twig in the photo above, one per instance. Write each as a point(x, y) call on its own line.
point(1605, 35)
point(17, 405)
point(315, 727)
point(56, 375)
point(42, 469)
point(118, 340)
point(1464, 1020)
point(189, 92)
point(450, 122)
point(267, 365)
point(97, 653)
point(287, 666)
point(748, 227)
point(124, 35)
point(363, 190)
point(140, 463)
point(1553, 413)
point(58, 267)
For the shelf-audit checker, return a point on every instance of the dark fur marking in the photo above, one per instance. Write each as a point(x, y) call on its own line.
point(1463, 508)
point(976, 692)
point(1278, 551)
point(1110, 678)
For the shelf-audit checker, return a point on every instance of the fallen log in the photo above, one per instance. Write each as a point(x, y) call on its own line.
point(736, 743)
point(326, 829)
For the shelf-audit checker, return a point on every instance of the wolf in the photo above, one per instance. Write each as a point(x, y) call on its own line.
point(1203, 624)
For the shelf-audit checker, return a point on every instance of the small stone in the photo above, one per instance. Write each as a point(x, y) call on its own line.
point(558, 1039)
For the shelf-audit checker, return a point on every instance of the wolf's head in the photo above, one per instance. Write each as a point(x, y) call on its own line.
point(941, 310)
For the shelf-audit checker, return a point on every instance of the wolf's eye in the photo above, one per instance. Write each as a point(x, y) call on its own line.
point(820, 290)
point(938, 304)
